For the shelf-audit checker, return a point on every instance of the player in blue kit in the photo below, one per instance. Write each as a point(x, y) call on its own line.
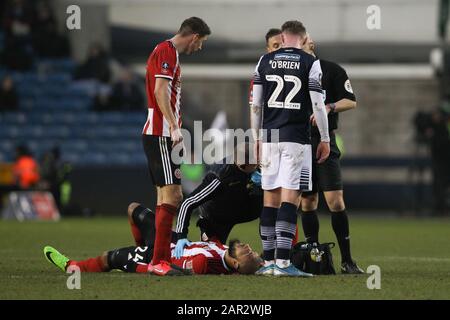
point(287, 90)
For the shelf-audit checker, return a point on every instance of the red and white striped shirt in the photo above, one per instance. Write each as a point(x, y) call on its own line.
point(203, 258)
point(162, 63)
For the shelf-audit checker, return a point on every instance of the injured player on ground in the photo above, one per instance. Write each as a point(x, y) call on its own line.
point(211, 257)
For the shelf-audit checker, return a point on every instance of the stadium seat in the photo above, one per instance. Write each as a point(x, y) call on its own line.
point(13, 118)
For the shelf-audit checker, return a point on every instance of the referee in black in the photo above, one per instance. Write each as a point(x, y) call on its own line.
point(339, 97)
point(229, 194)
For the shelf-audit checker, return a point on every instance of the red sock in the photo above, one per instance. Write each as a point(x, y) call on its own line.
point(142, 268)
point(163, 224)
point(295, 240)
point(90, 265)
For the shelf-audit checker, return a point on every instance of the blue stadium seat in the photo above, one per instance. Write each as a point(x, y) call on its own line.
point(66, 65)
point(71, 157)
point(13, 118)
point(58, 132)
point(10, 131)
point(93, 158)
point(111, 117)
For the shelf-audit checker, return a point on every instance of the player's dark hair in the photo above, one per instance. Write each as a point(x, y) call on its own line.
point(271, 33)
point(194, 25)
point(294, 27)
point(232, 247)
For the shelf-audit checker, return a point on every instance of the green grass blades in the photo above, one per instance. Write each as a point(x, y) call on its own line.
point(413, 256)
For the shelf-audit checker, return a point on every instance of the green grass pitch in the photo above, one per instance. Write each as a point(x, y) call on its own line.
point(413, 254)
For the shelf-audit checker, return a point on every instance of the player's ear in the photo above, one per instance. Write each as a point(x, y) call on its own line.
point(235, 264)
point(195, 36)
point(304, 40)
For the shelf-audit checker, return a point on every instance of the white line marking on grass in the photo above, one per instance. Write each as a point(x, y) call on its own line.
point(414, 259)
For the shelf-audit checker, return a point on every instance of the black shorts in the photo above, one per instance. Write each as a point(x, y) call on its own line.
point(326, 176)
point(160, 165)
point(126, 259)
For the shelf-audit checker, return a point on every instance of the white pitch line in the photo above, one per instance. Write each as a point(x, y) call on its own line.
point(416, 259)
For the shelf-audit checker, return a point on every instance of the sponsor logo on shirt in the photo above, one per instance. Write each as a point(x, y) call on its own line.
point(287, 56)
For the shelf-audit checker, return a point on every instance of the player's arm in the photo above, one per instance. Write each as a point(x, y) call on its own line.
point(256, 104)
point(198, 263)
point(319, 110)
point(163, 100)
point(256, 111)
point(345, 97)
point(256, 108)
point(163, 67)
point(339, 106)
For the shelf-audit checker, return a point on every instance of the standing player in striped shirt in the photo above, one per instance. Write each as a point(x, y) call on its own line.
point(162, 128)
point(287, 89)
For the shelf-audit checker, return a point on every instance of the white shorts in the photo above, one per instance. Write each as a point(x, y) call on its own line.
point(286, 165)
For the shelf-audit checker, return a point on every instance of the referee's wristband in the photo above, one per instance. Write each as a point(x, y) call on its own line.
point(332, 107)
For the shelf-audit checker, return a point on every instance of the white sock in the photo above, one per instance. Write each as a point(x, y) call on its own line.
point(268, 263)
point(282, 263)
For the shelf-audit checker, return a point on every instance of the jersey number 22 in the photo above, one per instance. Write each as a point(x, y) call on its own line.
point(287, 104)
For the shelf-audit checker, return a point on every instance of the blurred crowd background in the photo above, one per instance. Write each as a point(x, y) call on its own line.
point(72, 102)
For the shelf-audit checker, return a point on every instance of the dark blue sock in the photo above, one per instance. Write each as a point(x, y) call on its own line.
point(285, 229)
point(267, 231)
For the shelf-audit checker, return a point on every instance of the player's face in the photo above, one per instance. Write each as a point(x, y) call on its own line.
point(195, 44)
point(249, 261)
point(309, 45)
point(274, 43)
point(243, 251)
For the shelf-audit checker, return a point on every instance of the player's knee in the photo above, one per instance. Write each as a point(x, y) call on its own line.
point(104, 259)
point(131, 207)
point(336, 204)
point(175, 199)
point(309, 203)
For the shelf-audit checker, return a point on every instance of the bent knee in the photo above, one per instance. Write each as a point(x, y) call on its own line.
point(178, 198)
point(131, 207)
point(104, 259)
point(175, 199)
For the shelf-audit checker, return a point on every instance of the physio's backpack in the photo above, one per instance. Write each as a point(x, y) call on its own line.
point(315, 258)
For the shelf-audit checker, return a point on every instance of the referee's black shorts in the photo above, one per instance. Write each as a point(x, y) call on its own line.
point(326, 176)
point(163, 171)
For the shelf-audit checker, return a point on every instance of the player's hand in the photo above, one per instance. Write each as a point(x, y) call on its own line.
point(256, 178)
point(323, 151)
point(257, 149)
point(179, 248)
point(312, 119)
point(176, 136)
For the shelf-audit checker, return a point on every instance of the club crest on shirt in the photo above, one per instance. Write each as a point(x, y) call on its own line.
point(348, 86)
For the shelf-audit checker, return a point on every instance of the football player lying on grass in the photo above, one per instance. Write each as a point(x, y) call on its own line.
point(210, 257)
